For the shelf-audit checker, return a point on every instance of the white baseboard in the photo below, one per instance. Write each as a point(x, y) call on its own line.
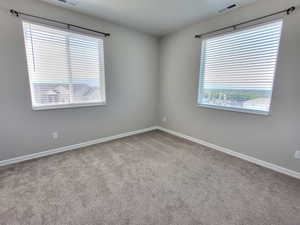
point(235, 154)
point(114, 137)
point(72, 147)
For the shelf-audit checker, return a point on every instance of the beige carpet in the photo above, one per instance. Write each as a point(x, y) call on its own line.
point(153, 178)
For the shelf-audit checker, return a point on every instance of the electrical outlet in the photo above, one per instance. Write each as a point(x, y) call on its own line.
point(55, 135)
point(164, 119)
point(297, 154)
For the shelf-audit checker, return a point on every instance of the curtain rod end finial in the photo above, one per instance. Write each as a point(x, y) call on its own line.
point(290, 10)
point(14, 12)
point(197, 36)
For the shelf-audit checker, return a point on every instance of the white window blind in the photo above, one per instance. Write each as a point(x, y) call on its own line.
point(237, 69)
point(65, 68)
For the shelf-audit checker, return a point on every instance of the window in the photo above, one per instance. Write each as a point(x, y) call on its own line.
point(66, 69)
point(237, 69)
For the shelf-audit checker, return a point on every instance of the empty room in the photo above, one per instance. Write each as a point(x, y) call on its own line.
point(149, 112)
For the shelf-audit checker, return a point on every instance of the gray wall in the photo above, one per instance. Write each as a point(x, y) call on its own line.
point(131, 83)
point(138, 97)
point(272, 138)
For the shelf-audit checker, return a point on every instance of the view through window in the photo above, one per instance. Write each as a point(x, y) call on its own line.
point(237, 69)
point(65, 68)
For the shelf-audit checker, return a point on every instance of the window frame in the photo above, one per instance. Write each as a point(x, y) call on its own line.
point(102, 80)
point(202, 74)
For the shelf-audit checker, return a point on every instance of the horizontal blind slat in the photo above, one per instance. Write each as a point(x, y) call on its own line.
point(64, 67)
point(237, 69)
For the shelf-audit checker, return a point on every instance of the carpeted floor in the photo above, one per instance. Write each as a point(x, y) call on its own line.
point(153, 178)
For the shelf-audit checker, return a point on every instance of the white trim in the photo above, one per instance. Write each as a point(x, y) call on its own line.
point(251, 159)
point(68, 34)
point(67, 106)
point(73, 147)
point(240, 110)
point(202, 73)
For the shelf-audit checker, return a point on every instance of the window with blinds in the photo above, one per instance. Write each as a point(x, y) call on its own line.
point(66, 69)
point(237, 69)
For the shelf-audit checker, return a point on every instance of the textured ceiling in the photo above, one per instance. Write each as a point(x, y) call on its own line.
point(157, 17)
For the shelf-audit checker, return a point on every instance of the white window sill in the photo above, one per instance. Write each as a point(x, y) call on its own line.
point(249, 111)
point(67, 106)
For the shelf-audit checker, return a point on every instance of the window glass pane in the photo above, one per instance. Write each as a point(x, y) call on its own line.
point(64, 67)
point(86, 69)
point(50, 93)
point(237, 69)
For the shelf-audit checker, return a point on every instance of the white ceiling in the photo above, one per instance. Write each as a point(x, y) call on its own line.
point(157, 17)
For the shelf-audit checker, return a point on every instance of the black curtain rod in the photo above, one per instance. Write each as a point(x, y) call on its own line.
point(287, 11)
point(17, 14)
